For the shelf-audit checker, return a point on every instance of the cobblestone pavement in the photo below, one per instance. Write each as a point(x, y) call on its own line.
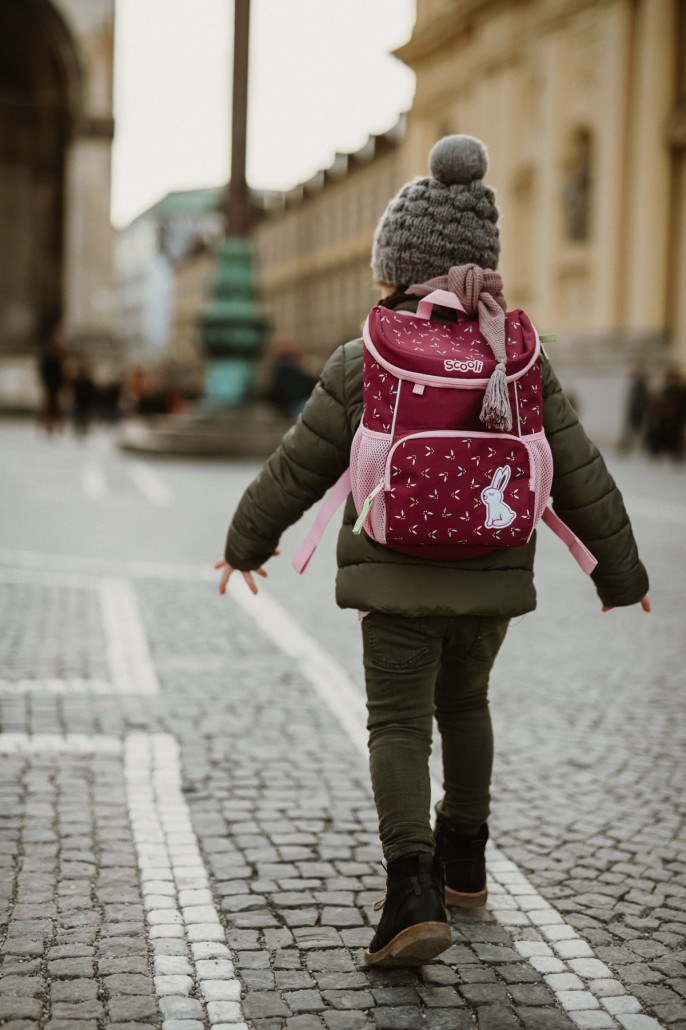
point(187, 837)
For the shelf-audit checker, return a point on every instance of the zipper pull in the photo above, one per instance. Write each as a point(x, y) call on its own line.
point(547, 338)
point(357, 528)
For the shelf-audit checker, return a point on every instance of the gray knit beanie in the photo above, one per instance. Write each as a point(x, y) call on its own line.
point(435, 223)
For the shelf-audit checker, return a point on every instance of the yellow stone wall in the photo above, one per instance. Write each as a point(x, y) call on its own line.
point(313, 257)
point(532, 77)
point(553, 87)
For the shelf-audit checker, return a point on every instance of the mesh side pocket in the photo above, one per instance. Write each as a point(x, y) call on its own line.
point(367, 467)
point(542, 469)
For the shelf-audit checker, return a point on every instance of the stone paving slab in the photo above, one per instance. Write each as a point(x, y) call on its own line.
point(74, 949)
point(263, 922)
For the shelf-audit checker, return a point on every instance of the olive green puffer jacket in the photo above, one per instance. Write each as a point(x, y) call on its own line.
point(316, 450)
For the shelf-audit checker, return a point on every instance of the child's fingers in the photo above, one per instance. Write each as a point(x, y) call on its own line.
point(247, 576)
point(225, 579)
point(645, 605)
point(226, 572)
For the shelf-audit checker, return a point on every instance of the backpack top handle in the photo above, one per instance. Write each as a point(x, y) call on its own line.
point(446, 298)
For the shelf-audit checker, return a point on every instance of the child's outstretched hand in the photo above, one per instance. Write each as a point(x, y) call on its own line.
point(247, 576)
point(645, 605)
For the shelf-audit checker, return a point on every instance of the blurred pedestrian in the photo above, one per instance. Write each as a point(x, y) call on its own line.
point(636, 410)
point(110, 394)
point(136, 389)
point(53, 380)
point(174, 401)
point(431, 628)
point(668, 416)
point(83, 399)
point(291, 384)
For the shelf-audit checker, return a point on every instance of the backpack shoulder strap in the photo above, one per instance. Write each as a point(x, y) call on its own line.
point(333, 500)
point(578, 551)
point(340, 490)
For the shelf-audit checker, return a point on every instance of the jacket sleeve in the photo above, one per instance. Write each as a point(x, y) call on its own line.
point(586, 498)
point(310, 458)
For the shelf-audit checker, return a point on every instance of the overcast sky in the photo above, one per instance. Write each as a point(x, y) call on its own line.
point(321, 80)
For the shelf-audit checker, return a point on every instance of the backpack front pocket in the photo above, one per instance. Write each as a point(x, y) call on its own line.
point(463, 489)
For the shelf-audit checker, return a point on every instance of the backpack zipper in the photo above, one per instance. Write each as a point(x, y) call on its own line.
point(432, 433)
point(357, 528)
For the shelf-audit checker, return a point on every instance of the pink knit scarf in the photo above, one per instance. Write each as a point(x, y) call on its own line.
point(481, 292)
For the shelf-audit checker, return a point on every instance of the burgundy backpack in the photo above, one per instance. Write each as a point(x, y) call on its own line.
point(450, 460)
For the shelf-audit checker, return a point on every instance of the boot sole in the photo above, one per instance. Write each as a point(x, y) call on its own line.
point(414, 946)
point(457, 899)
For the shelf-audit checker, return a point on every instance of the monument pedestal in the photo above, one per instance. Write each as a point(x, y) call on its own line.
point(251, 431)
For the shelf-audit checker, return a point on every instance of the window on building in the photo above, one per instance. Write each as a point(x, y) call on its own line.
point(521, 230)
point(577, 191)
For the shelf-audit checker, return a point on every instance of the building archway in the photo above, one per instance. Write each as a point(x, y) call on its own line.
point(40, 99)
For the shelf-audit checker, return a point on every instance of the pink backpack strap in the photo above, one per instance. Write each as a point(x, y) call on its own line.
point(579, 551)
point(340, 490)
point(333, 500)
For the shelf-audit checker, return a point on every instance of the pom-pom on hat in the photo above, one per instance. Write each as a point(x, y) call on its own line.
point(434, 223)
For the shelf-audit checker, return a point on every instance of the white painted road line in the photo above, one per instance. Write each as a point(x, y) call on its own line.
point(131, 666)
point(42, 576)
point(73, 685)
point(57, 743)
point(18, 563)
point(176, 890)
point(150, 484)
point(587, 984)
point(322, 672)
point(93, 480)
point(128, 654)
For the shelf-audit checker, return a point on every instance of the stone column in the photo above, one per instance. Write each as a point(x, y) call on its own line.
point(546, 230)
point(676, 140)
point(89, 281)
point(608, 123)
point(676, 314)
point(89, 307)
point(647, 170)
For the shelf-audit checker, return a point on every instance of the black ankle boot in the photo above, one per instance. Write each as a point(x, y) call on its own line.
point(414, 924)
point(465, 864)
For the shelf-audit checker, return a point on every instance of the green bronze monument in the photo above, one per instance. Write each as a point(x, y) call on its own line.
point(228, 421)
point(233, 328)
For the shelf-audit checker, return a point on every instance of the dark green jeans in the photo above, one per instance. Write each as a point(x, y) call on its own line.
point(415, 667)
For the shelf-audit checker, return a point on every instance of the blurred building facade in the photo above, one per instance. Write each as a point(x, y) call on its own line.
point(163, 269)
point(583, 109)
point(313, 249)
point(56, 129)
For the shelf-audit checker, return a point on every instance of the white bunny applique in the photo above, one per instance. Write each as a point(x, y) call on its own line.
point(498, 513)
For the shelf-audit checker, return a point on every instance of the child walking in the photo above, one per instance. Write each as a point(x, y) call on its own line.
point(431, 629)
